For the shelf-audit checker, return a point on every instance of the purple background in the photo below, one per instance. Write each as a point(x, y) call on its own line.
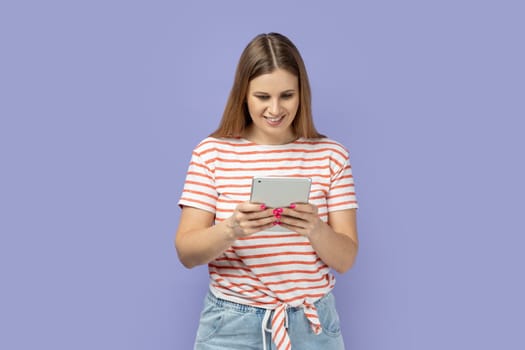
point(101, 103)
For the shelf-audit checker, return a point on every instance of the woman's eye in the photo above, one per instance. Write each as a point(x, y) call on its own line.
point(262, 97)
point(287, 96)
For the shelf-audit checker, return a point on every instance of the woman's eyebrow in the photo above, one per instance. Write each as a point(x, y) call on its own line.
point(282, 92)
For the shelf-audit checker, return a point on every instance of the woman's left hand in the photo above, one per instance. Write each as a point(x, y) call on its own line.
point(301, 218)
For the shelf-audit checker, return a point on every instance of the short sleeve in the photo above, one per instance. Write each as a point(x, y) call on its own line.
point(342, 189)
point(199, 187)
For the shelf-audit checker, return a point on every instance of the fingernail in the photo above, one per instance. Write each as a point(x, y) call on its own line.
point(277, 222)
point(277, 216)
point(263, 206)
point(274, 223)
point(279, 210)
point(292, 205)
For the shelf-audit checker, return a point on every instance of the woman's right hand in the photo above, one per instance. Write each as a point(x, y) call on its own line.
point(249, 218)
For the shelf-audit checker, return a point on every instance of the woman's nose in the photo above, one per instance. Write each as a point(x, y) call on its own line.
point(275, 107)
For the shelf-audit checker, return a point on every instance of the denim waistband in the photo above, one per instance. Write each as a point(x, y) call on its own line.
point(242, 308)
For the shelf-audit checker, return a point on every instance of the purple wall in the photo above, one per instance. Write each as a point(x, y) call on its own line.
point(101, 104)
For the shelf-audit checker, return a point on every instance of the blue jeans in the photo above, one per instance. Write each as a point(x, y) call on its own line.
point(226, 325)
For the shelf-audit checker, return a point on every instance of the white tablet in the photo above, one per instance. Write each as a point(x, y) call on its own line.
point(278, 192)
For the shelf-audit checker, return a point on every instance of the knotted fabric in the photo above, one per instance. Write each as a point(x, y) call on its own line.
point(280, 324)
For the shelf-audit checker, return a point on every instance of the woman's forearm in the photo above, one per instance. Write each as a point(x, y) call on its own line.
point(200, 246)
point(337, 250)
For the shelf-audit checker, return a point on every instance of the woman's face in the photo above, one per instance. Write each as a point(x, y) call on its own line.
point(273, 101)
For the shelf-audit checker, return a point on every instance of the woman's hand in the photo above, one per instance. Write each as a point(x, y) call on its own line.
point(300, 218)
point(336, 244)
point(249, 218)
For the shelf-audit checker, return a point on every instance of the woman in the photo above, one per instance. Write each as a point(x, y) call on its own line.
point(268, 286)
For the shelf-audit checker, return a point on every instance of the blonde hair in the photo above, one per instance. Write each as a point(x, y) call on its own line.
point(264, 54)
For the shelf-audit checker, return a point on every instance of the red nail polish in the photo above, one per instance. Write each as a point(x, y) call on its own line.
point(274, 223)
point(292, 205)
point(263, 206)
point(277, 216)
point(279, 210)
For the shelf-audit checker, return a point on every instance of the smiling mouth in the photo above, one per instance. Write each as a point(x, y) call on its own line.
point(274, 119)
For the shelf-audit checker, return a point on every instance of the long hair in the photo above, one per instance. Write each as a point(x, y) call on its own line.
point(264, 54)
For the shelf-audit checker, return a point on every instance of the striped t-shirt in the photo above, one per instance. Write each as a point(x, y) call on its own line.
point(268, 268)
